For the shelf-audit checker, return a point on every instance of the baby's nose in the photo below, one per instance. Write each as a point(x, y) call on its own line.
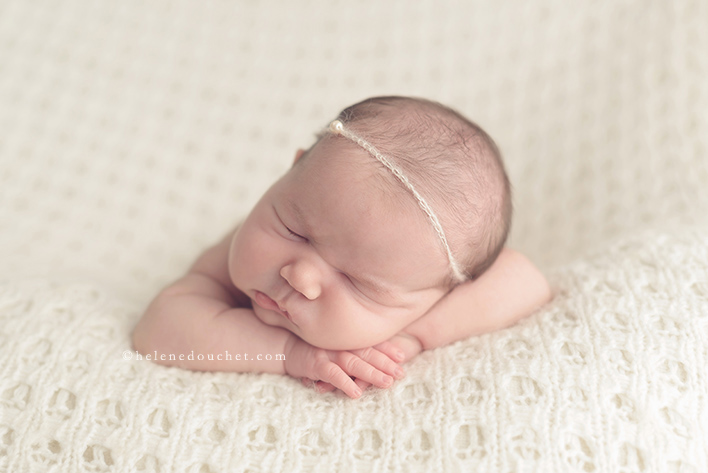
point(303, 278)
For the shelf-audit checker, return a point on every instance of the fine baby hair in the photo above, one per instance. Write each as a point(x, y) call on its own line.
point(448, 164)
point(337, 127)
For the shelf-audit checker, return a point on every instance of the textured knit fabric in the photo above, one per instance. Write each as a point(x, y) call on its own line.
point(135, 134)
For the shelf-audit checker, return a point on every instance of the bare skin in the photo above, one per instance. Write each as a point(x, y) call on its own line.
point(345, 287)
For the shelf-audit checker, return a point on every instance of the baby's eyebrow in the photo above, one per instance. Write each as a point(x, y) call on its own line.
point(379, 288)
point(375, 284)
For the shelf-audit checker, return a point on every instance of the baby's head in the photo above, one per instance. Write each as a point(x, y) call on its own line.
point(397, 201)
point(451, 162)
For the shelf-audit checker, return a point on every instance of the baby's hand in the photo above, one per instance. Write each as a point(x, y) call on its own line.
point(402, 347)
point(337, 368)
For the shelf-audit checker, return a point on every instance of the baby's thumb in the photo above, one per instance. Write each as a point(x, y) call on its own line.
point(409, 344)
point(319, 386)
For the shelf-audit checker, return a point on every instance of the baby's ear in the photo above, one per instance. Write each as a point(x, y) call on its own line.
point(298, 155)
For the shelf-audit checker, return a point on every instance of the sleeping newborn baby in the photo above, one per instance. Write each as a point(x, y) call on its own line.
point(386, 237)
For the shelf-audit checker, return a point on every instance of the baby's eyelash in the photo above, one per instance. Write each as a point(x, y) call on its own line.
point(354, 283)
point(362, 292)
point(293, 233)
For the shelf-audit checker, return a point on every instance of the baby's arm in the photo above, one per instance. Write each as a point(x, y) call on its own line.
point(197, 314)
point(511, 289)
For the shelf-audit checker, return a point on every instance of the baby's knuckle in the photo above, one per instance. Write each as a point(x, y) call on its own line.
point(351, 364)
point(319, 365)
point(321, 354)
point(366, 353)
point(330, 372)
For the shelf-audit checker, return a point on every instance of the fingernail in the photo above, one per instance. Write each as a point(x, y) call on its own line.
point(357, 392)
point(399, 373)
point(400, 355)
point(387, 381)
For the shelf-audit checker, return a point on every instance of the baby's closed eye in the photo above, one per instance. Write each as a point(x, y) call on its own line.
point(292, 233)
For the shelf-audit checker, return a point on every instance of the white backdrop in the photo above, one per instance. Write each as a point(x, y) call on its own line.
point(134, 134)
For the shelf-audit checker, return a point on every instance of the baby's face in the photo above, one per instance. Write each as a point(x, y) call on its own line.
point(335, 258)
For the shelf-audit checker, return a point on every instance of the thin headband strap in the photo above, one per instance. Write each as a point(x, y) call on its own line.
point(337, 128)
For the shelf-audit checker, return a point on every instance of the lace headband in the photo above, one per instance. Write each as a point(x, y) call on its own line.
point(337, 128)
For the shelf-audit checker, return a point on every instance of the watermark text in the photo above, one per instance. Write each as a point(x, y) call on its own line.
point(191, 356)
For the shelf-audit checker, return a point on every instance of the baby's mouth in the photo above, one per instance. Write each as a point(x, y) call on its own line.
point(269, 304)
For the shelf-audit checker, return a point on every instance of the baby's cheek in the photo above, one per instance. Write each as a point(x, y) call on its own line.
point(356, 330)
point(244, 258)
point(268, 318)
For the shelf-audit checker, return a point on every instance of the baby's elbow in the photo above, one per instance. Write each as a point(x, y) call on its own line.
point(152, 333)
point(540, 285)
point(548, 291)
point(144, 337)
point(544, 291)
point(536, 282)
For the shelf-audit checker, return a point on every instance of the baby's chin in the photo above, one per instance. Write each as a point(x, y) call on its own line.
point(328, 341)
point(342, 343)
point(269, 317)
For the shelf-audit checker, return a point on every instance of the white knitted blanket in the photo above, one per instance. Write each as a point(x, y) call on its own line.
point(609, 377)
point(134, 134)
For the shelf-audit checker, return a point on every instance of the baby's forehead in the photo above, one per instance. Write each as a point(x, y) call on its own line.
point(336, 150)
point(341, 188)
point(345, 159)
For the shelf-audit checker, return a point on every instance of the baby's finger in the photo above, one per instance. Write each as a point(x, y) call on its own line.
point(408, 344)
point(319, 386)
point(381, 362)
point(391, 350)
point(332, 373)
point(324, 387)
point(360, 368)
point(307, 382)
point(362, 384)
